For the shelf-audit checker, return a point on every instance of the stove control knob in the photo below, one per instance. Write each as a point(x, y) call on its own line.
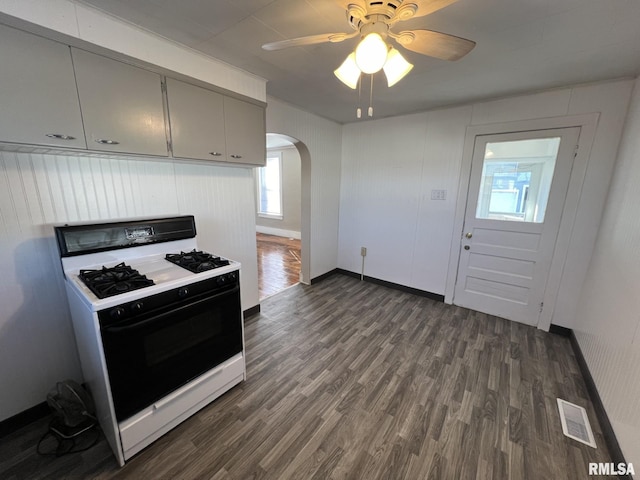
point(222, 279)
point(137, 307)
point(183, 292)
point(233, 276)
point(117, 313)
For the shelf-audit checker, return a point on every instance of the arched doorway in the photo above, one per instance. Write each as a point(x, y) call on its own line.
point(283, 215)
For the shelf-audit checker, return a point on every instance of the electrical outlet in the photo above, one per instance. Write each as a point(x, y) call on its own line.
point(438, 194)
point(363, 251)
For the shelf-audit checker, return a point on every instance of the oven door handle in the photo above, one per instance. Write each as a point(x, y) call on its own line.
point(131, 325)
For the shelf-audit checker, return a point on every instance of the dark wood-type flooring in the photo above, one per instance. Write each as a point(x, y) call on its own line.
point(353, 380)
point(278, 263)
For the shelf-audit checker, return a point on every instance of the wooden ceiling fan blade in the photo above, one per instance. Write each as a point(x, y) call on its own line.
point(345, 3)
point(425, 7)
point(435, 44)
point(310, 40)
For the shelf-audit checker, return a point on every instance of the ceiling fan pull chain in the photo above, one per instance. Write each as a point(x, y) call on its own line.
point(370, 111)
point(358, 109)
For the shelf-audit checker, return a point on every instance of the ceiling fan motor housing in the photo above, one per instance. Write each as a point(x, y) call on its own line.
point(377, 24)
point(387, 12)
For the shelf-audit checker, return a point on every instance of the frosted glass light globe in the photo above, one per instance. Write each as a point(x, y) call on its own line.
point(348, 72)
point(396, 67)
point(371, 53)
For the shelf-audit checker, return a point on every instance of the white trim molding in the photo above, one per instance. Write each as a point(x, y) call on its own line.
point(588, 124)
point(278, 232)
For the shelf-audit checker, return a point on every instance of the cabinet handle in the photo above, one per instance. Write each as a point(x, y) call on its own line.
point(236, 156)
point(59, 136)
point(106, 142)
point(215, 154)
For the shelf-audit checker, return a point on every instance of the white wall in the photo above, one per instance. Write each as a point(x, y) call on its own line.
point(289, 224)
point(608, 315)
point(36, 191)
point(323, 140)
point(390, 166)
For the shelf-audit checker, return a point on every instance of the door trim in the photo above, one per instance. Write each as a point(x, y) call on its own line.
point(587, 124)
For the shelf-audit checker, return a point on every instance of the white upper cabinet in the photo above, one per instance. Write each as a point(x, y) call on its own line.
point(211, 126)
point(122, 105)
point(196, 117)
point(60, 96)
point(38, 96)
point(245, 132)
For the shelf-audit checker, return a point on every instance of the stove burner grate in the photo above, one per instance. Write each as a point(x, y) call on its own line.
point(196, 261)
point(110, 281)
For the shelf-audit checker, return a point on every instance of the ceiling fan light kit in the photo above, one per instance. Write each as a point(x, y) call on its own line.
point(396, 67)
point(348, 72)
point(371, 53)
point(373, 20)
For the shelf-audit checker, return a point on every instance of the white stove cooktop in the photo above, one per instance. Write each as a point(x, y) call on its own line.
point(165, 275)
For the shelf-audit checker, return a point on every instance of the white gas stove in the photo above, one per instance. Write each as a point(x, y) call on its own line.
point(150, 261)
point(158, 324)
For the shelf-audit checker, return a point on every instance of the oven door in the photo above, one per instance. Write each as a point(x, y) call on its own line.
point(152, 355)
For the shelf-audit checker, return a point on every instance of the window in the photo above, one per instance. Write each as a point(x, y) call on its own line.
point(270, 187)
point(516, 180)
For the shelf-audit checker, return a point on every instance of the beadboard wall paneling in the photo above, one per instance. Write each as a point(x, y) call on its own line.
point(88, 24)
point(37, 191)
point(323, 139)
point(390, 166)
point(36, 337)
point(608, 313)
point(223, 201)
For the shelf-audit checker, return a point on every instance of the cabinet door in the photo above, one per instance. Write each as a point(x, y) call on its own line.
point(37, 92)
point(121, 104)
point(196, 117)
point(246, 132)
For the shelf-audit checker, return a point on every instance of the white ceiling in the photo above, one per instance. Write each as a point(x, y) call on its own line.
point(275, 140)
point(522, 46)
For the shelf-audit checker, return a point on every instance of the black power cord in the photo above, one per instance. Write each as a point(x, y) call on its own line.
point(68, 440)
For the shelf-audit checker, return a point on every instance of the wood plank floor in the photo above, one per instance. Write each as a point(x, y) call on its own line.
point(352, 380)
point(278, 264)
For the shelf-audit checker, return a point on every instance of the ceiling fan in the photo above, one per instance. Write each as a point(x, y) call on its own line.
point(373, 21)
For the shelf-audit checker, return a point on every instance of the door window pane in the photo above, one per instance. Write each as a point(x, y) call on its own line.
point(516, 179)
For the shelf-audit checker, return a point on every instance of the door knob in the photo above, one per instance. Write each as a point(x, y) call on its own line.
point(467, 247)
point(469, 235)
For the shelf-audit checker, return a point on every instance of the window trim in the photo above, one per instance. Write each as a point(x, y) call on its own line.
point(270, 155)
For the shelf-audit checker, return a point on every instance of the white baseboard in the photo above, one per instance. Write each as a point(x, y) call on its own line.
point(278, 231)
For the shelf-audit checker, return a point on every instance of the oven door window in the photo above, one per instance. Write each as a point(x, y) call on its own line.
point(151, 356)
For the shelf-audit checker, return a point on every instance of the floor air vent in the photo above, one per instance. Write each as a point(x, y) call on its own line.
point(575, 423)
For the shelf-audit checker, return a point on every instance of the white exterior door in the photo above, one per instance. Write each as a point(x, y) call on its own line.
point(516, 195)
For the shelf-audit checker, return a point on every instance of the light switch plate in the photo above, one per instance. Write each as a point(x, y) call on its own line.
point(438, 194)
